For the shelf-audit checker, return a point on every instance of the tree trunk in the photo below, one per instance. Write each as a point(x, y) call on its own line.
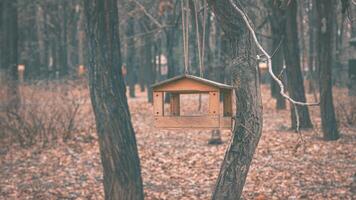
point(62, 47)
point(352, 61)
point(294, 73)
point(277, 22)
point(130, 57)
point(312, 46)
point(170, 39)
point(151, 68)
point(119, 155)
point(326, 19)
point(248, 125)
point(9, 42)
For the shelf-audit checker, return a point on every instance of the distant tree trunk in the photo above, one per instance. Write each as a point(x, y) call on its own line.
point(2, 75)
point(150, 68)
point(119, 155)
point(326, 19)
point(294, 73)
point(248, 126)
point(312, 32)
point(10, 53)
point(142, 68)
point(130, 57)
point(208, 51)
point(193, 46)
point(277, 21)
point(170, 40)
point(81, 37)
point(63, 51)
point(352, 61)
point(301, 39)
point(40, 38)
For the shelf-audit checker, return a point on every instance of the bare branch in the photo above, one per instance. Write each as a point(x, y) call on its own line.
point(147, 13)
point(269, 60)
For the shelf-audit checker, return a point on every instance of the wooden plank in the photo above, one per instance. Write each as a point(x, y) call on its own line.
point(225, 122)
point(175, 104)
point(187, 122)
point(158, 103)
point(186, 86)
point(227, 103)
point(214, 103)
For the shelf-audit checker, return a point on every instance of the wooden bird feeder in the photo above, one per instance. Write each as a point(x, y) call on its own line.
point(188, 84)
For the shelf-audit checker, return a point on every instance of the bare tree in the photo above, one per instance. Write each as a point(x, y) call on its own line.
point(248, 125)
point(119, 155)
point(325, 25)
point(293, 67)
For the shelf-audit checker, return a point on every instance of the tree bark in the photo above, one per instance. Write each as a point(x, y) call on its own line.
point(119, 155)
point(248, 125)
point(326, 15)
point(294, 73)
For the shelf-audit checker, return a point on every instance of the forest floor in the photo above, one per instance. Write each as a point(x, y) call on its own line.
point(179, 164)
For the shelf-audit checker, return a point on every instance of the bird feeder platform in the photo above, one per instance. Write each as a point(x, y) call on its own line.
point(188, 84)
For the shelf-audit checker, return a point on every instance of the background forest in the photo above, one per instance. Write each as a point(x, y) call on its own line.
point(76, 113)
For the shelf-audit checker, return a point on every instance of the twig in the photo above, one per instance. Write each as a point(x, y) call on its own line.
point(147, 13)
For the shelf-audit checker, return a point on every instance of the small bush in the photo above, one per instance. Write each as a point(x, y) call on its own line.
point(48, 111)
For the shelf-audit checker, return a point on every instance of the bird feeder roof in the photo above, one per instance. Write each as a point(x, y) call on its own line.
point(190, 83)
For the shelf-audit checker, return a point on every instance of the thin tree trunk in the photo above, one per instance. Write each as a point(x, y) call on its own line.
point(294, 73)
point(326, 19)
point(248, 126)
point(352, 61)
point(119, 155)
point(312, 47)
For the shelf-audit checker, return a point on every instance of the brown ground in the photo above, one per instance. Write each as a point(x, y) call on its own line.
point(179, 164)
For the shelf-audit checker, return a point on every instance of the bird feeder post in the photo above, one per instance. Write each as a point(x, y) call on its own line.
point(214, 103)
point(175, 104)
point(158, 103)
point(227, 105)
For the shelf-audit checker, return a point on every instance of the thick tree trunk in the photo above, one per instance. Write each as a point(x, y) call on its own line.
point(294, 73)
point(248, 124)
point(119, 155)
point(326, 15)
